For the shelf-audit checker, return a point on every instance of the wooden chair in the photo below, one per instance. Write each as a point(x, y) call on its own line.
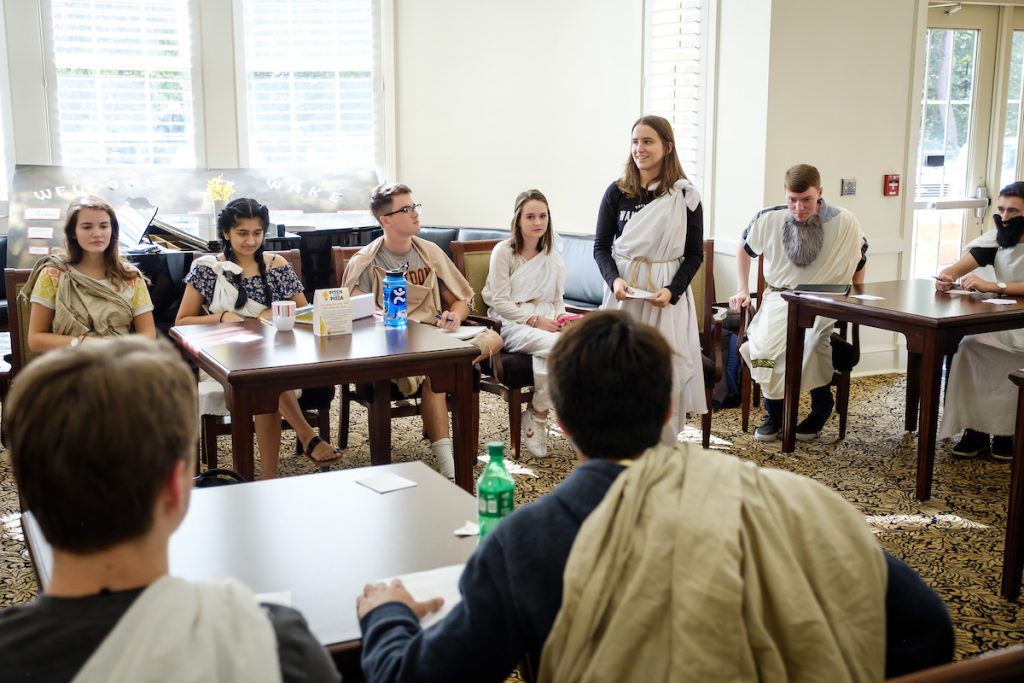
point(999, 666)
point(18, 313)
point(710, 330)
point(845, 356)
point(508, 374)
point(315, 402)
point(362, 393)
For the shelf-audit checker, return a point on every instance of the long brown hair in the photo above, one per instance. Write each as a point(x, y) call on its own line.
point(671, 169)
point(544, 243)
point(117, 269)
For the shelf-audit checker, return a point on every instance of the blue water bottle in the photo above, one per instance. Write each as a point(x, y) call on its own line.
point(396, 298)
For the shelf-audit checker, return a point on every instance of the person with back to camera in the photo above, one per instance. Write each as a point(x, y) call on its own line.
point(524, 290)
point(744, 573)
point(242, 283)
point(90, 293)
point(980, 398)
point(108, 487)
point(650, 236)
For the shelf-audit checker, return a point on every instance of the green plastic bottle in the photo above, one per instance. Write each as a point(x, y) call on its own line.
point(495, 490)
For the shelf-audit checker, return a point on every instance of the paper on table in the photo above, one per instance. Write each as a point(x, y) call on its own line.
point(867, 297)
point(468, 529)
point(434, 583)
point(466, 331)
point(385, 482)
point(634, 293)
point(1000, 302)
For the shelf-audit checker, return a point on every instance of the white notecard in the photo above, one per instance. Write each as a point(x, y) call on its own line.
point(867, 297)
point(42, 214)
point(1000, 302)
point(385, 482)
point(434, 583)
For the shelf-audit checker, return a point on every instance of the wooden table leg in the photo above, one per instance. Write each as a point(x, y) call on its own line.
point(466, 409)
point(931, 368)
point(1013, 552)
point(380, 423)
point(241, 435)
point(913, 390)
point(794, 365)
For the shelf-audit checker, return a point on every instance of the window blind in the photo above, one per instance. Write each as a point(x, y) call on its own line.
point(123, 73)
point(674, 74)
point(309, 68)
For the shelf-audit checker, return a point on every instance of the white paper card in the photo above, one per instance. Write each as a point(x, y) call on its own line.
point(42, 214)
point(634, 293)
point(468, 529)
point(39, 251)
point(434, 583)
point(867, 297)
point(385, 482)
point(37, 232)
point(332, 312)
point(466, 331)
point(1000, 302)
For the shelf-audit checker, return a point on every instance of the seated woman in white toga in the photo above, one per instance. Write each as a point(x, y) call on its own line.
point(524, 290)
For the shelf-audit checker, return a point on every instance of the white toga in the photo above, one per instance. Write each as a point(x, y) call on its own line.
point(765, 349)
point(980, 395)
point(516, 290)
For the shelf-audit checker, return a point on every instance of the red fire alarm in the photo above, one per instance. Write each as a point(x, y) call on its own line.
point(891, 185)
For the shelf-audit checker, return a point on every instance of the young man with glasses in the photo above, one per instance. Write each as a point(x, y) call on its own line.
point(438, 294)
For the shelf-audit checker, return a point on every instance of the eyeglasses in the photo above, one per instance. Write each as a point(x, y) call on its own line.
point(407, 210)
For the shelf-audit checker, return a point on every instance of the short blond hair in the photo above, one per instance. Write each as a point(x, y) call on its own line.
point(95, 432)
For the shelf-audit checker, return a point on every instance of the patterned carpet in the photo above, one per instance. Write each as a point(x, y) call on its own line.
point(954, 540)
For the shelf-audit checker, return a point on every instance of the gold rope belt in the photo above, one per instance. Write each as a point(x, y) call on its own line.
point(634, 271)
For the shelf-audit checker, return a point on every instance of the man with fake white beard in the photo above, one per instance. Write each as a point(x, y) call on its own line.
point(980, 399)
point(804, 242)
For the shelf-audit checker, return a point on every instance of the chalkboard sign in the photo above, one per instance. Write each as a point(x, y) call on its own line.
point(40, 196)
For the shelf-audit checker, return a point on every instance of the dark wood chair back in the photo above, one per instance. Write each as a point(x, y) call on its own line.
point(19, 311)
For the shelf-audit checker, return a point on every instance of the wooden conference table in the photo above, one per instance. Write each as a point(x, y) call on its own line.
point(318, 537)
point(255, 363)
point(933, 323)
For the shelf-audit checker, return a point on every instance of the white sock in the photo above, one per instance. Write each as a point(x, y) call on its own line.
point(444, 453)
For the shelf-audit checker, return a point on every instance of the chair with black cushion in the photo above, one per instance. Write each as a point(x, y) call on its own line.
point(508, 374)
point(315, 401)
point(845, 356)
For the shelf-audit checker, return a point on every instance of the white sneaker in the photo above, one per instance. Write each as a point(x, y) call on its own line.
point(535, 434)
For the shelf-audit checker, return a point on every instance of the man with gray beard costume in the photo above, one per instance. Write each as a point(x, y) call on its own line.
point(805, 241)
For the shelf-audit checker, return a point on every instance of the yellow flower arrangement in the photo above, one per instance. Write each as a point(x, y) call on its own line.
point(220, 190)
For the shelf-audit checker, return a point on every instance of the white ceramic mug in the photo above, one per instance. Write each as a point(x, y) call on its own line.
point(284, 315)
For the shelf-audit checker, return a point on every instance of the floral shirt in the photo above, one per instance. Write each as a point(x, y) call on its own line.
point(284, 284)
point(135, 293)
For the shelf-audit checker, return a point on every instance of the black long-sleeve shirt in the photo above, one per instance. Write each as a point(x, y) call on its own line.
point(616, 210)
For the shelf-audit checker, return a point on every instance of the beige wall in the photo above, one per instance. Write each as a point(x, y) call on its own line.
point(831, 83)
point(497, 97)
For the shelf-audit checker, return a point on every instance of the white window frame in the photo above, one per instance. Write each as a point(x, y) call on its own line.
point(704, 137)
point(50, 66)
point(383, 97)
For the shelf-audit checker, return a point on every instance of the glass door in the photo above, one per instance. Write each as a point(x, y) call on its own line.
point(956, 114)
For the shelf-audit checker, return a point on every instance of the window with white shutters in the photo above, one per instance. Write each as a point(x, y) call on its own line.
point(123, 77)
point(309, 70)
point(674, 79)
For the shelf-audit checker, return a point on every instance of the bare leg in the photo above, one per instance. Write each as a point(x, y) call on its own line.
point(289, 408)
point(268, 438)
point(434, 407)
